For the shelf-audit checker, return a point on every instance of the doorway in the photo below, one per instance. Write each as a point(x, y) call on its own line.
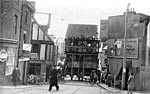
point(48, 69)
point(34, 69)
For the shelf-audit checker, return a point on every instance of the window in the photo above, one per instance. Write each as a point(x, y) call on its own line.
point(34, 69)
point(41, 34)
point(42, 51)
point(25, 37)
point(26, 17)
point(34, 31)
point(35, 48)
point(15, 24)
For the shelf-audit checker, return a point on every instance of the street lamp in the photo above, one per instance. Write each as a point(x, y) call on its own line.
point(124, 51)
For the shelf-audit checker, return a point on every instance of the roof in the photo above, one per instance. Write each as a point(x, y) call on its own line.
point(78, 30)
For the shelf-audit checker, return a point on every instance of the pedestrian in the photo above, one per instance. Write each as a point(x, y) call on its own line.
point(92, 76)
point(109, 79)
point(15, 76)
point(130, 83)
point(53, 78)
point(95, 77)
point(81, 76)
point(99, 76)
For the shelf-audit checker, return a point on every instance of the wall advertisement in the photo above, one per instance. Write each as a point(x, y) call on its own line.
point(116, 49)
point(10, 62)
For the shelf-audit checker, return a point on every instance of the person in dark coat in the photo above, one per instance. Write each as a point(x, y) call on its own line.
point(91, 76)
point(15, 76)
point(53, 79)
point(95, 77)
point(109, 79)
point(99, 76)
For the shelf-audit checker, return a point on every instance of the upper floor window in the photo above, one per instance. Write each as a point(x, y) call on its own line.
point(35, 48)
point(25, 37)
point(26, 17)
point(15, 24)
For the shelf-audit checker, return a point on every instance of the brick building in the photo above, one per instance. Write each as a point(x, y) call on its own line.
point(24, 47)
point(11, 18)
point(136, 48)
point(18, 43)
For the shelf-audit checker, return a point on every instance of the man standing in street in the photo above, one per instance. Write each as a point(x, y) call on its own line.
point(53, 79)
point(15, 76)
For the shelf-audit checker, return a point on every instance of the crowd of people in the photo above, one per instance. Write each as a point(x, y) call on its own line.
point(99, 77)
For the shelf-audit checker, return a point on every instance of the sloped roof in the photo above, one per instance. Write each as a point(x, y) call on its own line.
point(77, 30)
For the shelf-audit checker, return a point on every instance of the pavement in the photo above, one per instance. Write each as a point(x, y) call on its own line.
point(112, 89)
point(17, 87)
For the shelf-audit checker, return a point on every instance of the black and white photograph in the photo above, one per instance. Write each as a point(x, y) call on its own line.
point(74, 47)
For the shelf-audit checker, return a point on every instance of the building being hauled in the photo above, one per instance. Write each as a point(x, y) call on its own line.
point(81, 49)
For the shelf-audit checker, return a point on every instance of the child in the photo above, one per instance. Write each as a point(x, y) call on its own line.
point(130, 83)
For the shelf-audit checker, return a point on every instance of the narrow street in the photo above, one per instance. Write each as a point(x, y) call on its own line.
point(69, 87)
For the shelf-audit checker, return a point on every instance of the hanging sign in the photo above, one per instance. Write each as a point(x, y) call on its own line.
point(27, 47)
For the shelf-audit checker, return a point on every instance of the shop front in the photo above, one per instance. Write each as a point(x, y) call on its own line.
point(38, 71)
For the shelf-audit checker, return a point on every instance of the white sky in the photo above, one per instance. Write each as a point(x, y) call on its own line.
point(64, 12)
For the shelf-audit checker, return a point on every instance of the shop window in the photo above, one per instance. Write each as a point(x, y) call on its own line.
point(34, 69)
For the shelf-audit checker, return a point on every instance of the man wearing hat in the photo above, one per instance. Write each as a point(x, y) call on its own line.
point(53, 78)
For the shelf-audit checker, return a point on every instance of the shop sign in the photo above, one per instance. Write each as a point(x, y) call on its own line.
point(34, 56)
point(3, 55)
point(27, 47)
point(24, 59)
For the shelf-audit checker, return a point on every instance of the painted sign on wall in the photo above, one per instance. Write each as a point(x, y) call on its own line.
point(116, 49)
point(10, 63)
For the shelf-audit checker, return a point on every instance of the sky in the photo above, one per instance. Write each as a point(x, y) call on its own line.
point(64, 12)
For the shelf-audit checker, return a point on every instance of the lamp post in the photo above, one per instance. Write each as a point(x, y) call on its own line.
point(124, 51)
